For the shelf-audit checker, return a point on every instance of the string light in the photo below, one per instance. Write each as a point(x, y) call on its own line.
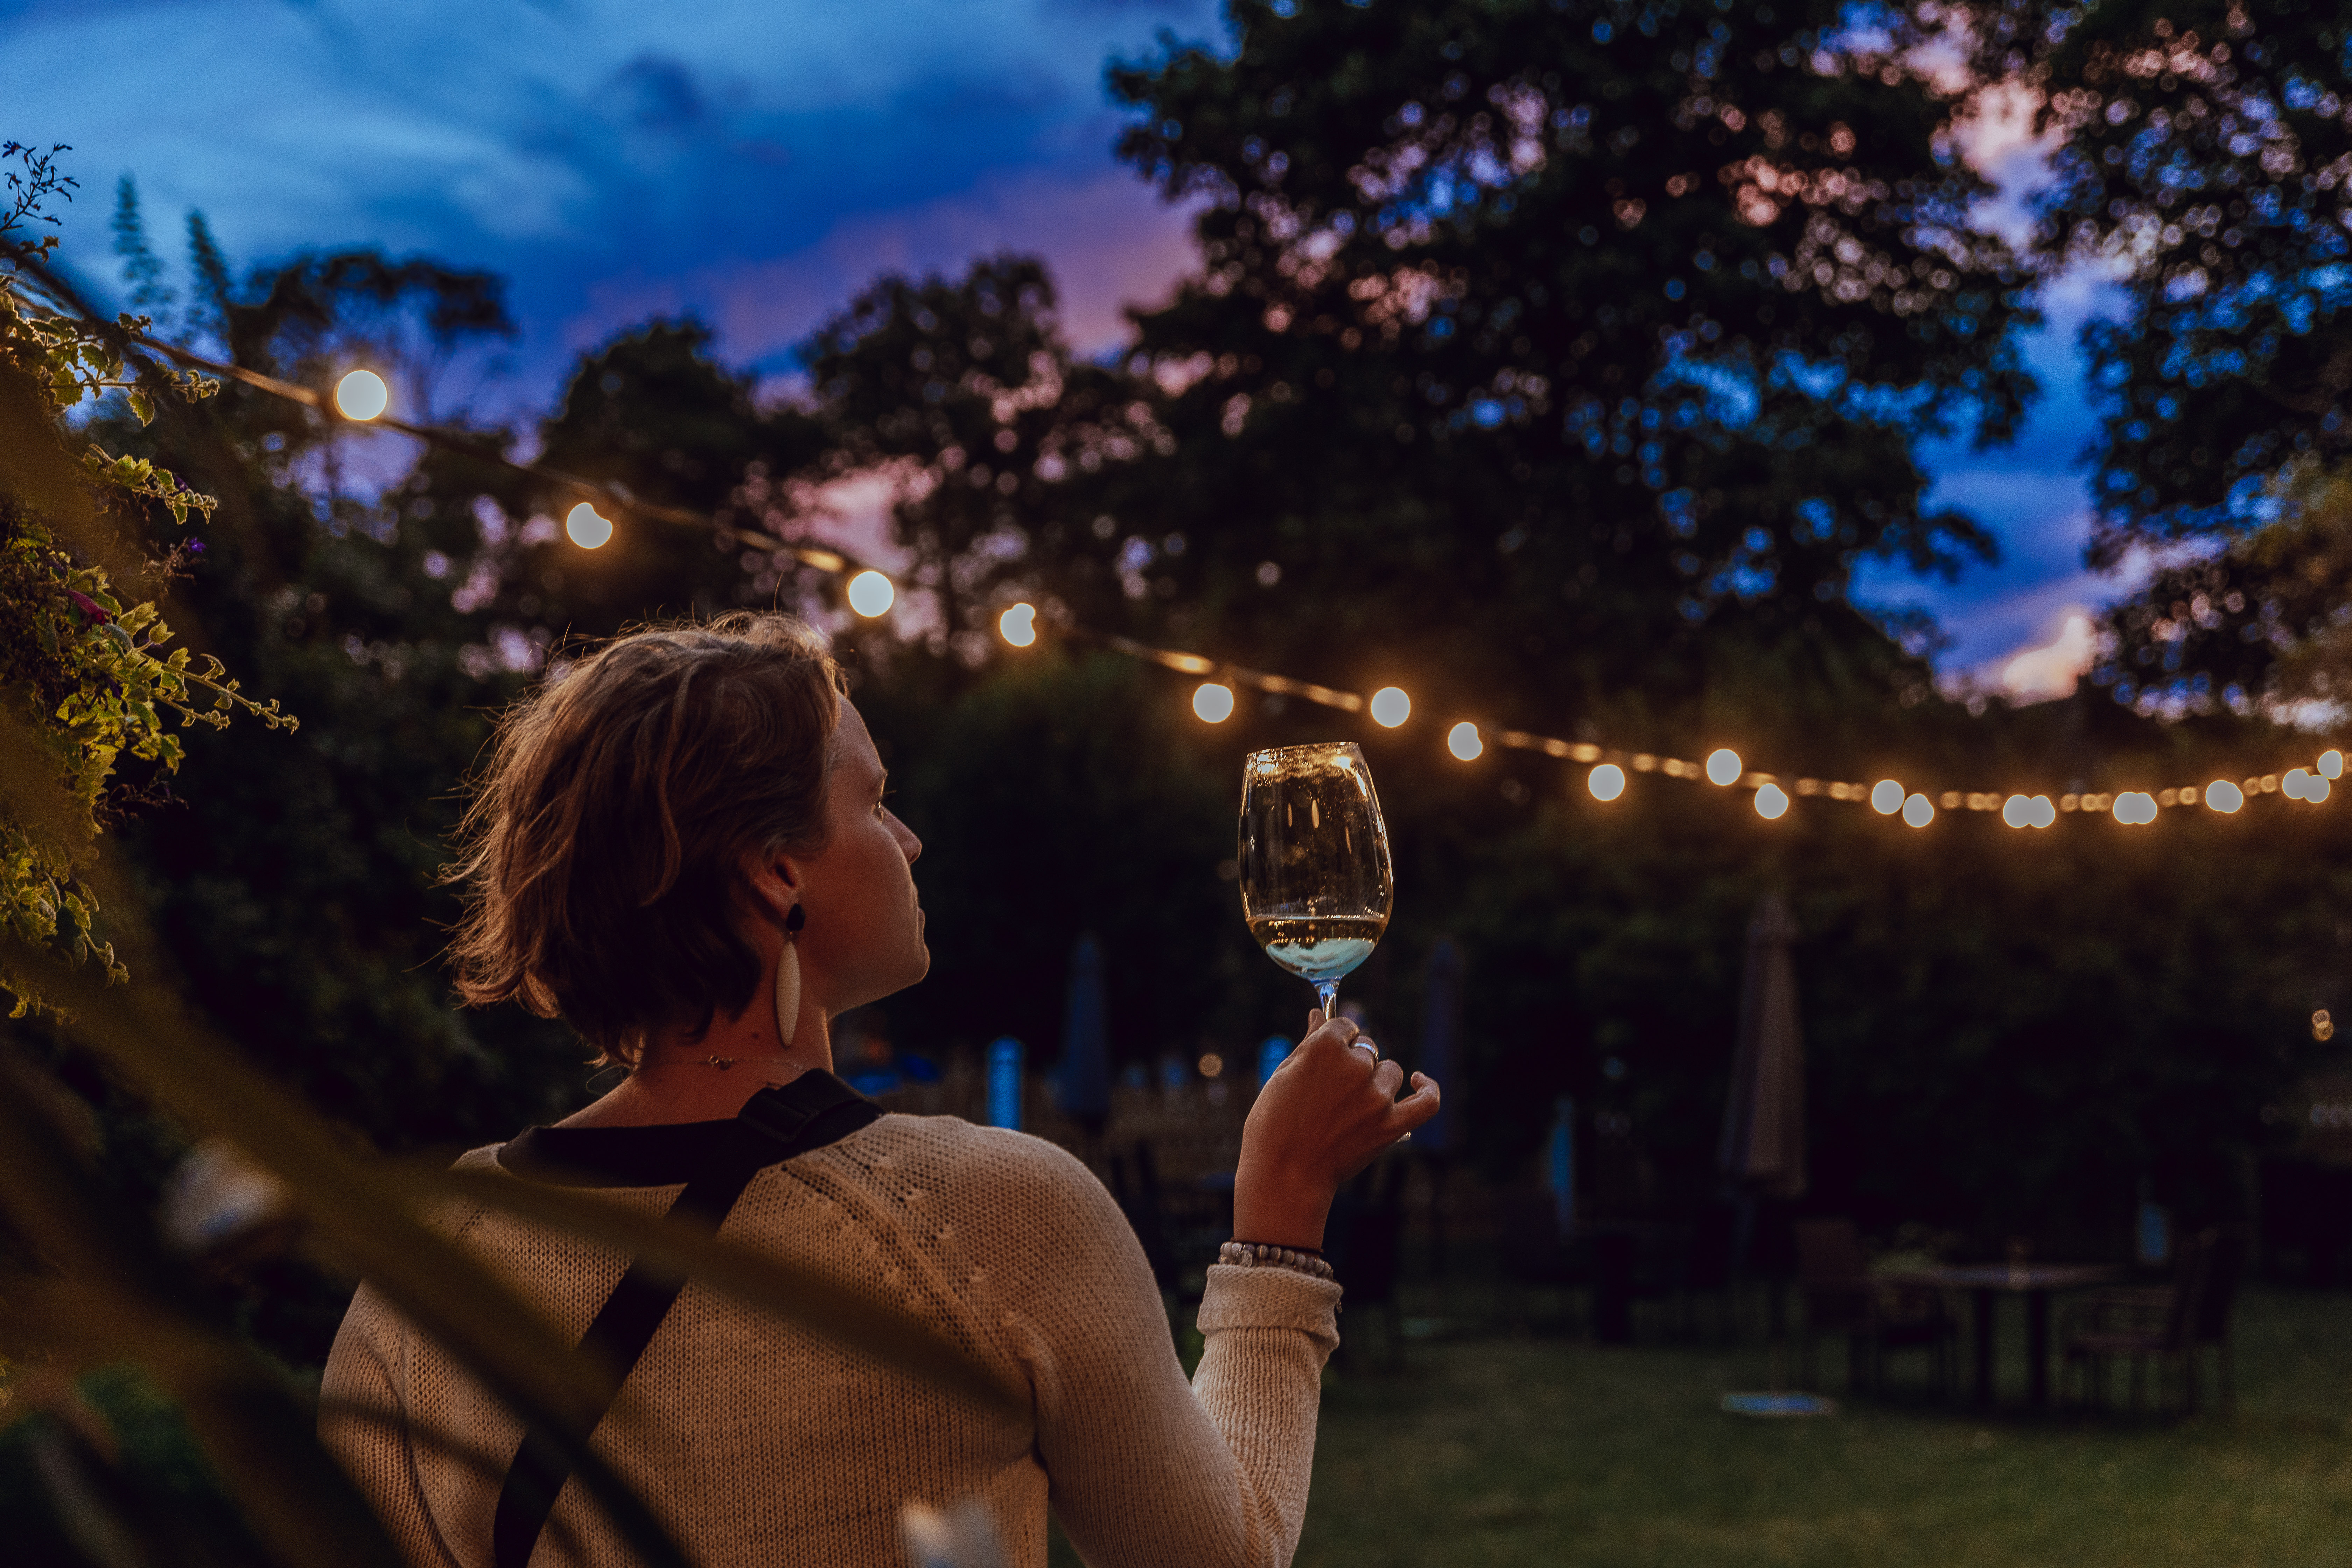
point(1463, 742)
point(871, 593)
point(2028, 811)
point(589, 528)
point(1213, 700)
point(361, 396)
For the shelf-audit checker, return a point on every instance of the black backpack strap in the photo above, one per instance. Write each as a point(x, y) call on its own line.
point(813, 1111)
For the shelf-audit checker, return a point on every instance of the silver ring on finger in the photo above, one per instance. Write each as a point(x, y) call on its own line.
point(1361, 1044)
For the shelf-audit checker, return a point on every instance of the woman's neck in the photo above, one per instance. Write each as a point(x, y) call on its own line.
point(681, 1078)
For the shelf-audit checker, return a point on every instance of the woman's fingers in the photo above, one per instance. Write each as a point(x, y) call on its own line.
point(1415, 1107)
point(1388, 1077)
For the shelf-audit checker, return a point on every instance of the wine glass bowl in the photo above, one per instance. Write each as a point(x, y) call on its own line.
point(1314, 857)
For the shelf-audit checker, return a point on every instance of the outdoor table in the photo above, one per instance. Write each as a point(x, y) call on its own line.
point(2035, 1282)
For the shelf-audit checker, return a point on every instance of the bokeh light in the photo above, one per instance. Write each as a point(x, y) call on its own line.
point(2292, 782)
point(2322, 1027)
point(1723, 766)
point(589, 529)
point(1606, 782)
point(2224, 797)
point(2135, 808)
point(361, 395)
point(1390, 706)
point(1463, 742)
point(1918, 810)
point(1771, 802)
point(1213, 700)
point(1018, 626)
point(871, 594)
point(1886, 797)
point(2331, 764)
point(2045, 812)
point(2316, 789)
point(2018, 811)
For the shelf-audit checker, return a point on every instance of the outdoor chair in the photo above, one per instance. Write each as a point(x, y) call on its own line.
point(2166, 1325)
point(1842, 1296)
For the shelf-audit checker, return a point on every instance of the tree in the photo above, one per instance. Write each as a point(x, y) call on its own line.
point(1605, 327)
point(2207, 154)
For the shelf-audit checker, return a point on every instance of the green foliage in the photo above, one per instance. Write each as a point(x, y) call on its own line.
point(2261, 620)
point(85, 683)
point(2204, 158)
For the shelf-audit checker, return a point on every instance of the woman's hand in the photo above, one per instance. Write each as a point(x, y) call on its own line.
point(1320, 1119)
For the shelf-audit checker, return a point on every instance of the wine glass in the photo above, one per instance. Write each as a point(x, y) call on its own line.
point(1316, 887)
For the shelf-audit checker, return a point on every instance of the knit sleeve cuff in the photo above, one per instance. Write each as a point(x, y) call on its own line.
point(1268, 1298)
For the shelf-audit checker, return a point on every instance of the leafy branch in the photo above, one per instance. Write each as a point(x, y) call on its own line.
point(86, 681)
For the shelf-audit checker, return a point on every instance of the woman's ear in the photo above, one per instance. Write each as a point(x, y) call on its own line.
point(774, 883)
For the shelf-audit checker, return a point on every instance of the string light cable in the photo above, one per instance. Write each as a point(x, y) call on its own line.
point(361, 399)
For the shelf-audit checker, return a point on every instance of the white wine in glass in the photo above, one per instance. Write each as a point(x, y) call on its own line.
point(1316, 887)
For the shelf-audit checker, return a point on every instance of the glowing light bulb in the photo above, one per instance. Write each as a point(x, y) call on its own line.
point(1723, 766)
point(1886, 797)
point(2017, 811)
point(1213, 700)
point(1390, 707)
point(1606, 782)
point(2045, 812)
point(361, 395)
point(1463, 742)
point(2223, 796)
point(1771, 802)
point(2331, 764)
point(1918, 810)
point(871, 594)
point(589, 529)
point(1018, 626)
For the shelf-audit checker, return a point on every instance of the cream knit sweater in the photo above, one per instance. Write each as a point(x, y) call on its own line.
point(759, 1443)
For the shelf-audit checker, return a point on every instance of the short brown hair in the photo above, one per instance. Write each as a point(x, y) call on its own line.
point(601, 851)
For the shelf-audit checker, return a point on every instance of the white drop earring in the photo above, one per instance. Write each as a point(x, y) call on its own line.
point(788, 979)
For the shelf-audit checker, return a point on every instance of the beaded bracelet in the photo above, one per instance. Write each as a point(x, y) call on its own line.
point(1259, 1254)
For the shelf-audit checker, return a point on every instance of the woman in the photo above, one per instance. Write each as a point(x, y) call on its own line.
point(682, 847)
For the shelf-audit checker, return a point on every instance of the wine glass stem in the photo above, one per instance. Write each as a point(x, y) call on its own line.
point(1329, 990)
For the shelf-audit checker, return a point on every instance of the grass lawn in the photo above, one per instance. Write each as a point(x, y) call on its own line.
point(1523, 1451)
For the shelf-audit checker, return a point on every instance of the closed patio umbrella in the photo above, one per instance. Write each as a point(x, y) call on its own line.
point(1763, 1146)
point(1085, 1071)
